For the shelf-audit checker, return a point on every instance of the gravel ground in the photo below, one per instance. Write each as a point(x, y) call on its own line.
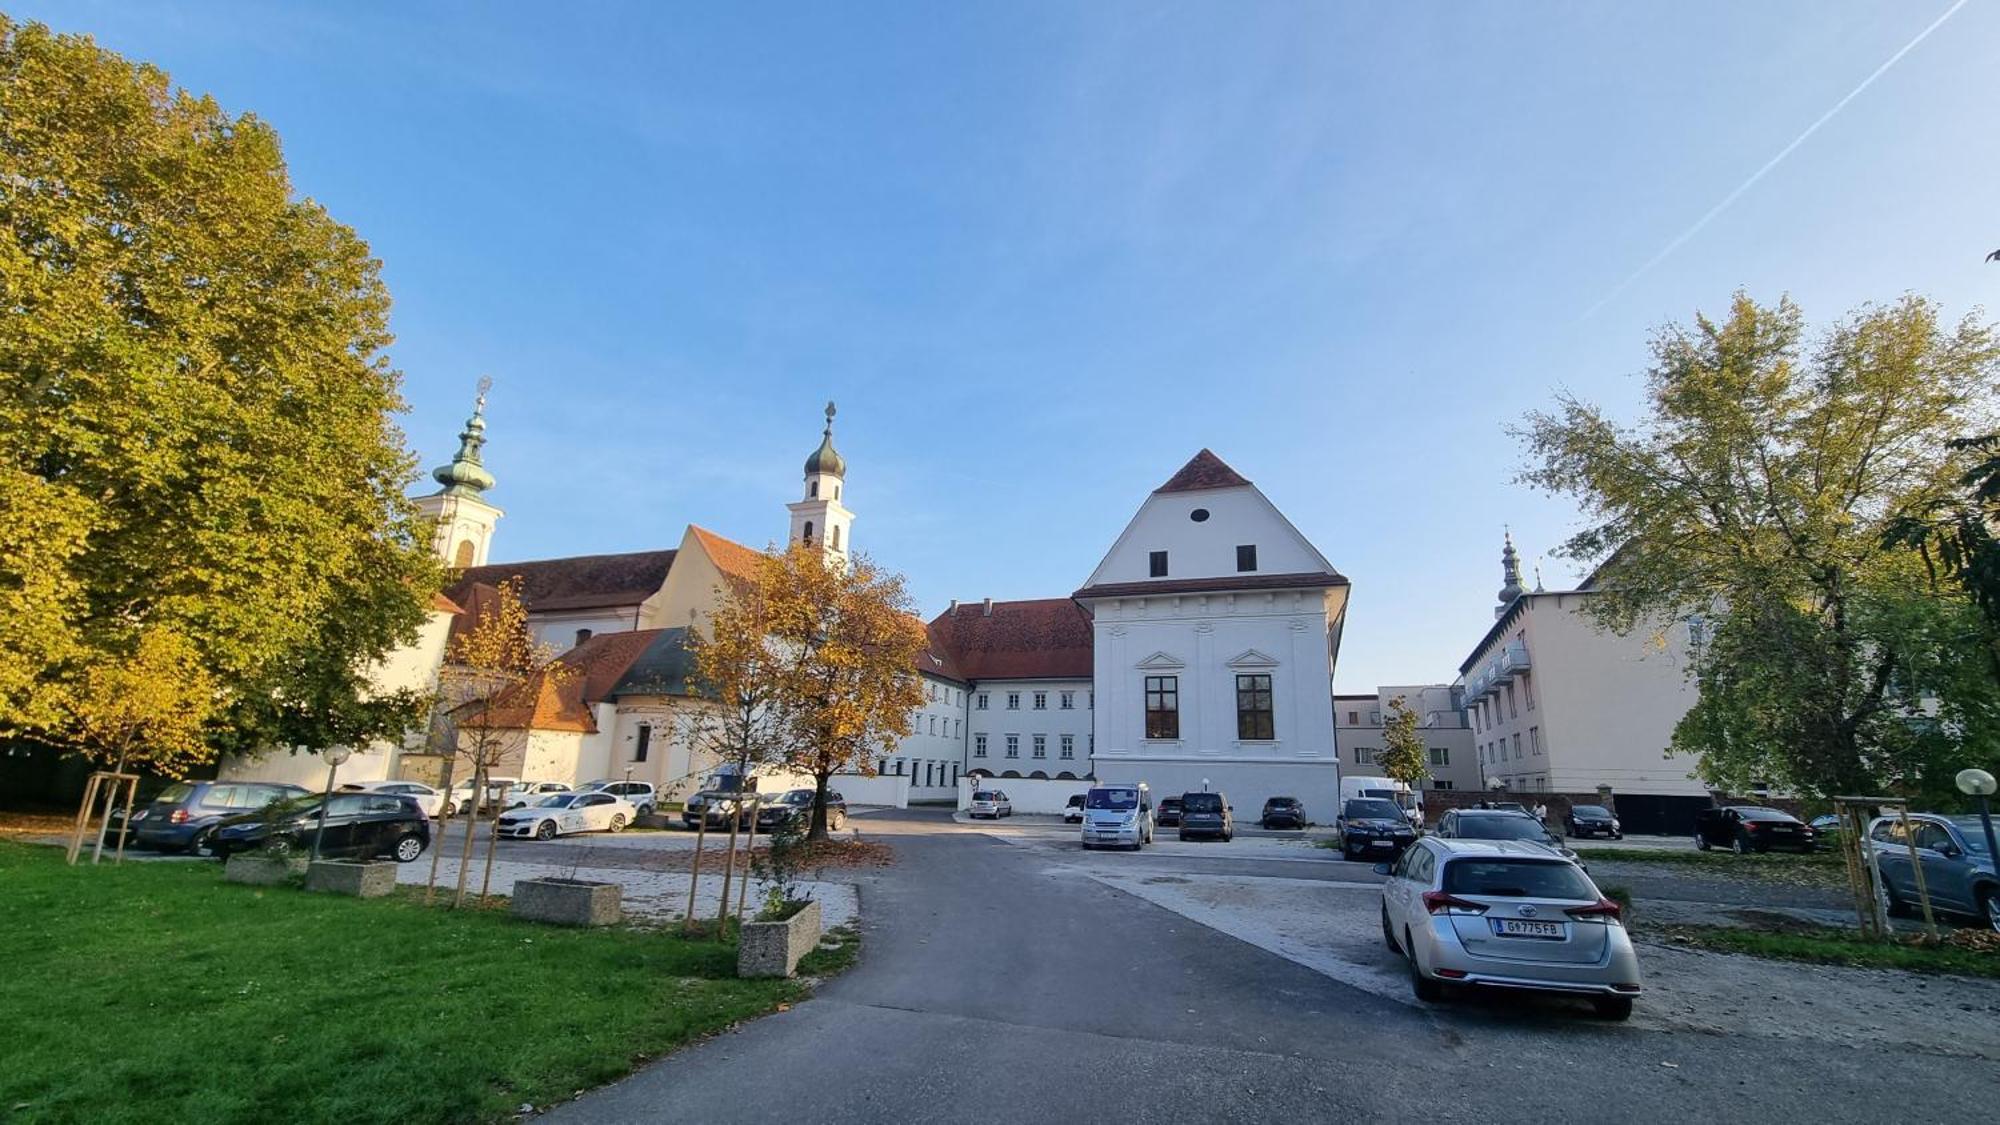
point(1333, 928)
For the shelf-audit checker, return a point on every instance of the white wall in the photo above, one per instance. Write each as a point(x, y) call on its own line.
point(1026, 795)
point(1237, 516)
point(935, 748)
point(997, 721)
point(893, 792)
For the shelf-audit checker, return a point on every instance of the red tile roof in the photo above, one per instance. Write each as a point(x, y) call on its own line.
point(583, 582)
point(1048, 638)
point(563, 701)
point(736, 561)
point(1204, 470)
point(1223, 585)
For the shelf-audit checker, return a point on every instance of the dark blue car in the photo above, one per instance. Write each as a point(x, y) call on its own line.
point(184, 816)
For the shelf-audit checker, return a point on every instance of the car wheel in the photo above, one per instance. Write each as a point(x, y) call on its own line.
point(1388, 934)
point(1228, 836)
point(1742, 846)
point(618, 822)
point(203, 843)
point(408, 848)
point(645, 810)
point(837, 821)
point(450, 809)
point(1426, 989)
point(546, 830)
point(1989, 906)
point(1893, 904)
point(1700, 842)
point(1612, 1007)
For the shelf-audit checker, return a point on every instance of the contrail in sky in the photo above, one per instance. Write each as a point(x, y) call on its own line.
point(1759, 174)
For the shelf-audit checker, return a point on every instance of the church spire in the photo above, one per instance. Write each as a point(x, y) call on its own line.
point(819, 519)
point(1510, 569)
point(826, 460)
point(465, 475)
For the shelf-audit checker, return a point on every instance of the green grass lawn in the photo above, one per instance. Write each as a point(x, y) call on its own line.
point(1842, 947)
point(156, 992)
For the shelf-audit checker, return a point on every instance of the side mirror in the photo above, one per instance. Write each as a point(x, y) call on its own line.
point(1382, 869)
point(1949, 851)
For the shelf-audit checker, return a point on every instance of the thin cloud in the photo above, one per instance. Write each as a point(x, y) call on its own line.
point(1760, 173)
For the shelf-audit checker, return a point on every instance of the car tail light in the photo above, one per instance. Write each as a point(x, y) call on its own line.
point(1438, 902)
point(180, 816)
point(1453, 974)
point(1749, 826)
point(1603, 908)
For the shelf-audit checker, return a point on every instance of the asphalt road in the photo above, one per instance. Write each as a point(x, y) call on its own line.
point(997, 984)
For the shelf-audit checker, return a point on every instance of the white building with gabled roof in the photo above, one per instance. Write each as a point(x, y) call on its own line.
point(1215, 628)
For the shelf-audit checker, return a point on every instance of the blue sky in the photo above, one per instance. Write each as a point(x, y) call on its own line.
point(1042, 253)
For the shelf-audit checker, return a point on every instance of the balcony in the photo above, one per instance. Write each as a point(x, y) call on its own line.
point(1510, 662)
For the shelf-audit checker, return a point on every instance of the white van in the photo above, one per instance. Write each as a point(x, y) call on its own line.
point(1384, 788)
point(1118, 815)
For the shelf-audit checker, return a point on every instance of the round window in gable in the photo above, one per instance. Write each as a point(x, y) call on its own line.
point(1199, 515)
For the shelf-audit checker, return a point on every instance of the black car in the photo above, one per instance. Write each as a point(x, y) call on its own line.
point(1207, 814)
point(796, 806)
point(1373, 826)
point(1501, 824)
point(357, 825)
point(184, 816)
point(1283, 812)
point(1752, 828)
point(1593, 820)
point(1168, 814)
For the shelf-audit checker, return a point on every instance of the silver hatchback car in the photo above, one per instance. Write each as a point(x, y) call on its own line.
point(1506, 914)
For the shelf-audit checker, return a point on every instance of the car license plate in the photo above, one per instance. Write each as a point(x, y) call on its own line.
point(1381, 843)
point(1514, 927)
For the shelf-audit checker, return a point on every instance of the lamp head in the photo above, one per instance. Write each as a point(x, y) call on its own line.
point(1975, 783)
point(336, 755)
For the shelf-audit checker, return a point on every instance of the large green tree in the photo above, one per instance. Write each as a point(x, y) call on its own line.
point(196, 428)
point(1758, 498)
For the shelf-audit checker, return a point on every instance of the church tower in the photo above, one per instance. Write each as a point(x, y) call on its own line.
point(463, 517)
point(1510, 572)
point(820, 519)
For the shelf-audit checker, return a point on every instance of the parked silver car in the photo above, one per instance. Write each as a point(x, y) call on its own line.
point(1506, 914)
point(991, 803)
point(1958, 871)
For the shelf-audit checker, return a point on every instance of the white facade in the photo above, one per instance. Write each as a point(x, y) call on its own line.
point(931, 759)
point(1560, 705)
point(464, 527)
point(1215, 630)
point(1030, 727)
point(1446, 729)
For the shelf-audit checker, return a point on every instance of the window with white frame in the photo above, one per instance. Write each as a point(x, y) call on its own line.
point(1068, 747)
point(1013, 701)
point(1068, 701)
point(1041, 701)
point(979, 702)
point(1440, 756)
point(1535, 740)
point(979, 746)
point(1013, 746)
point(1041, 746)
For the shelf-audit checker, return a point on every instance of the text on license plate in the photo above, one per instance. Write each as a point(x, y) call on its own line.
point(1512, 927)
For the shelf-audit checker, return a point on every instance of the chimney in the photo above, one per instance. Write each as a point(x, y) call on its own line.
point(989, 607)
point(954, 608)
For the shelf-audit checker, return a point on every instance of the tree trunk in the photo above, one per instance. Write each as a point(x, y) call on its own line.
point(818, 831)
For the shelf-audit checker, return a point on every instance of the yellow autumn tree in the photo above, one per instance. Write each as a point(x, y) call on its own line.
point(149, 708)
point(493, 674)
point(847, 685)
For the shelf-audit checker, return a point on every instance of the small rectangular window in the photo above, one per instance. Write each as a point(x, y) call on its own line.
point(1013, 701)
point(1041, 746)
point(1246, 557)
point(1069, 701)
point(1159, 564)
point(1041, 701)
point(1013, 746)
point(979, 746)
point(643, 741)
point(979, 702)
point(1068, 746)
point(1440, 756)
point(1163, 707)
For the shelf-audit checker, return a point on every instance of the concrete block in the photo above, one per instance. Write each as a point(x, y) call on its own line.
point(773, 949)
point(262, 871)
point(360, 878)
point(567, 902)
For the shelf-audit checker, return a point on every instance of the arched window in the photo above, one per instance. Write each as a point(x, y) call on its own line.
point(836, 537)
point(812, 490)
point(808, 536)
point(462, 557)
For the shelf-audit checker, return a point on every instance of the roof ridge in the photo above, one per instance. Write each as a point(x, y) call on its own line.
point(1203, 470)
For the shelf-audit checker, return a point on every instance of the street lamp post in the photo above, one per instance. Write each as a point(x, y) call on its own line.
point(1978, 783)
point(333, 756)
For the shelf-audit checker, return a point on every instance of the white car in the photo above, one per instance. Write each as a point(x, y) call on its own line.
point(640, 794)
point(989, 803)
point(1073, 811)
point(565, 813)
point(428, 799)
point(529, 792)
point(462, 799)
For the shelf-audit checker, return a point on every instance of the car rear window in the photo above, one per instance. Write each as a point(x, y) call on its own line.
point(986, 795)
point(174, 794)
point(1516, 878)
point(1202, 802)
point(1763, 814)
point(1521, 827)
point(1593, 810)
point(1372, 810)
